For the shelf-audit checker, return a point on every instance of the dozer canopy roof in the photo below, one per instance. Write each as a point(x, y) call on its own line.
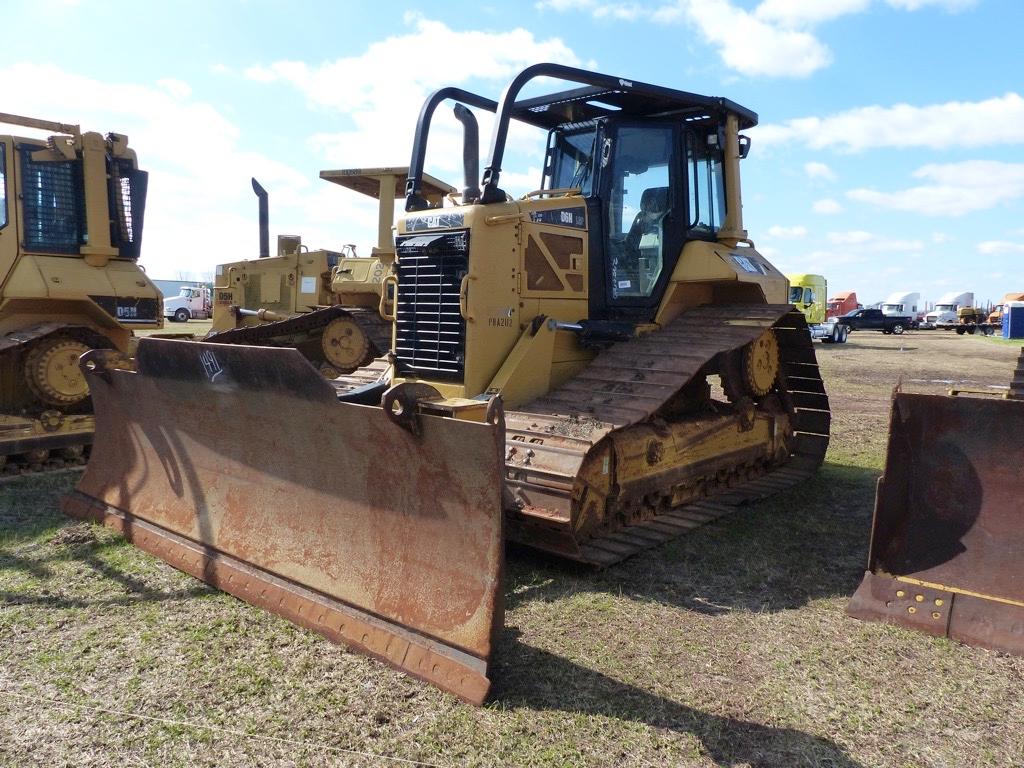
point(615, 96)
point(601, 96)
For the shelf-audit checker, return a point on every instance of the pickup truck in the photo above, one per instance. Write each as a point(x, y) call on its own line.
point(875, 320)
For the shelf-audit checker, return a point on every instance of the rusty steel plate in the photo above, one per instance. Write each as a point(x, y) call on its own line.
point(949, 522)
point(239, 465)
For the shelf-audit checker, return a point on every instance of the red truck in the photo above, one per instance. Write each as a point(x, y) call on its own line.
point(841, 303)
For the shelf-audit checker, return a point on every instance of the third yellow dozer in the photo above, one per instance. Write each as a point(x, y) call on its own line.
point(591, 369)
point(327, 304)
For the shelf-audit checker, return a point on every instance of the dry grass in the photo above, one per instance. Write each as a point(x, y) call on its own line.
point(194, 328)
point(729, 647)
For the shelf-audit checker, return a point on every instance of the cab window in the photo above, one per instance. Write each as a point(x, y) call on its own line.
point(707, 187)
point(3, 185)
point(639, 199)
point(571, 160)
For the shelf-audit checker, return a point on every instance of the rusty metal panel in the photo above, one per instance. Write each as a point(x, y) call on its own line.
point(949, 519)
point(244, 455)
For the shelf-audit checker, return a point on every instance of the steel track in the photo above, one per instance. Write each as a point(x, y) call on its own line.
point(548, 440)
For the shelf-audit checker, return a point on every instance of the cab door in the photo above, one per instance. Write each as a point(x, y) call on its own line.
point(642, 217)
point(8, 221)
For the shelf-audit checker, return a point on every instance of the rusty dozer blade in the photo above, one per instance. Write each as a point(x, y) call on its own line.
point(239, 466)
point(948, 529)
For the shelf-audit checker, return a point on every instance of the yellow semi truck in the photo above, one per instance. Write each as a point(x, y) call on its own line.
point(807, 293)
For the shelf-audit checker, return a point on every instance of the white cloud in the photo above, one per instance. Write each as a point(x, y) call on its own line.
point(999, 247)
point(952, 189)
point(176, 88)
point(380, 96)
point(849, 238)
point(941, 237)
point(815, 170)
point(787, 233)
point(750, 45)
point(599, 10)
point(201, 210)
point(860, 242)
point(199, 169)
point(799, 13)
point(566, 5)
point(773, 42)
point(381, 75)
point(775, 39)
point(886, 246)
point(827, 206)
point(953, 6)
point(993, 121)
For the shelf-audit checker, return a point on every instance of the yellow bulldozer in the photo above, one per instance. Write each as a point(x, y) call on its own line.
point(592, 369)
point(327, 304)
point(71, 216)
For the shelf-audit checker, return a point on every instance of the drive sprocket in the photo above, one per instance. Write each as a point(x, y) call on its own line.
point(52, 372)
point(752, 370)
point(345, 344)
point(761, 364)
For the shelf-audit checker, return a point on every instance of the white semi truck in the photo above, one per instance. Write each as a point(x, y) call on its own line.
point(944, 315)
point(193, 302)
point(901, 304)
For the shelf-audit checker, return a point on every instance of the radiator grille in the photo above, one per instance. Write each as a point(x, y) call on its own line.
point(430, 334)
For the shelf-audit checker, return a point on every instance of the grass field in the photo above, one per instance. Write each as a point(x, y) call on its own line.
point(729, 647)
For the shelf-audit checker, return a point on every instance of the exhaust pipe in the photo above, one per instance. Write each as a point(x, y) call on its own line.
point(261, 193)
point(470, 153)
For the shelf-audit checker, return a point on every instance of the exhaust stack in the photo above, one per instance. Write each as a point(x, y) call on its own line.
point(470, 153)
point(261, 193)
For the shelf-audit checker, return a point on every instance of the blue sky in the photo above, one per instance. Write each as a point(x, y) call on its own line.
point(889, 155)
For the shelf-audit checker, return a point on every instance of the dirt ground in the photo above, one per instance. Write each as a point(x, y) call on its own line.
point(728, 647)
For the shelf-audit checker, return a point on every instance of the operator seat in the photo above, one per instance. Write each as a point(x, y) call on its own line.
point(636, 261)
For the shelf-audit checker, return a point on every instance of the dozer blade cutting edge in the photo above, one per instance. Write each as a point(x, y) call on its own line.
point(948, 529)
point(239, 466)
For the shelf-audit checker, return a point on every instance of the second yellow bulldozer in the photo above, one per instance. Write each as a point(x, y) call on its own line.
point(71, 217)
point(327, 304)
point(592, 369)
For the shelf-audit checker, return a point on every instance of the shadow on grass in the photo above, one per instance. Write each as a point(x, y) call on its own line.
point(30, 506)
point(530, 678)
point(807, 542)
point(134, 590)
point(32, 523)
